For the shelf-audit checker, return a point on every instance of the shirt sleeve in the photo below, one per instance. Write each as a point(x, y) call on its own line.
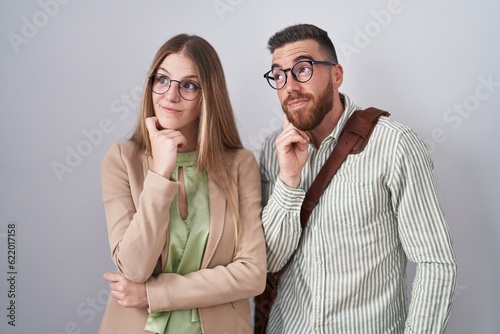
point(281, 213)
point(424, 236)
point(137, 235)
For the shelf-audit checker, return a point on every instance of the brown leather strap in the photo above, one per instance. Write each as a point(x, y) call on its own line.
point(352, 140)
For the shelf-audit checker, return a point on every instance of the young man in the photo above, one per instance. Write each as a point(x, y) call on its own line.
point(347, 272)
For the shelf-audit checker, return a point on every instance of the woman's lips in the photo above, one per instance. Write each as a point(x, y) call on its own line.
point(170, 110)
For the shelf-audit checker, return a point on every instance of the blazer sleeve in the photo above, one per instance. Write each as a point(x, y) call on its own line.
point(137, 227)
point(243, 277)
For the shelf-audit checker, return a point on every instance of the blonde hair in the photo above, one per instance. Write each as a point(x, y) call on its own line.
point(217, 131)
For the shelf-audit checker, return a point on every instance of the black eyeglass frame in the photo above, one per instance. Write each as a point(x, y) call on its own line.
point(152, 77)
point(294, 76)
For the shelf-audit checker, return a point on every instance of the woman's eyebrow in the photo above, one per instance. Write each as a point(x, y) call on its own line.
point(164, 70)
point(189, 76)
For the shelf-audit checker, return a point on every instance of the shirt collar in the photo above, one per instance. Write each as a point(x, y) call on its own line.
point(349, 108)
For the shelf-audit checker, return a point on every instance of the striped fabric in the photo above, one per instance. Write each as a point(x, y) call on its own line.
point(348, 272)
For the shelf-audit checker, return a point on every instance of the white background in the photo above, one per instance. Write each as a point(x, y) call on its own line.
point(72, 74)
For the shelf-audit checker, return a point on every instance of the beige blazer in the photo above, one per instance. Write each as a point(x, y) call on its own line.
point(137, 203)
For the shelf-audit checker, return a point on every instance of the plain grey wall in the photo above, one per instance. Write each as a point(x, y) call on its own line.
point(71, 78)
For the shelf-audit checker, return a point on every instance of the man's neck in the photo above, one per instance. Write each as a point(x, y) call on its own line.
point(329, 122)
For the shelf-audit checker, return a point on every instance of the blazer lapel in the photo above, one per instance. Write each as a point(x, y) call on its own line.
point(147, 162)
point(217, 218)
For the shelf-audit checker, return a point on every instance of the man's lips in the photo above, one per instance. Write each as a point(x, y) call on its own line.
point(297, 103)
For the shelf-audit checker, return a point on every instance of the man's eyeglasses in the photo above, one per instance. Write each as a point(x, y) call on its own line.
point(188, 89)
point(302, 72)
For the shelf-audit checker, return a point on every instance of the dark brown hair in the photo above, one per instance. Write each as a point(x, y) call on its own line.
point(301, 32)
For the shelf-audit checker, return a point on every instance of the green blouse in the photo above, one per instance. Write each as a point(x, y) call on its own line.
point(187, 242)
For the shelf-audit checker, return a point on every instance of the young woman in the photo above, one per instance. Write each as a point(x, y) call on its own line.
point(183, 205)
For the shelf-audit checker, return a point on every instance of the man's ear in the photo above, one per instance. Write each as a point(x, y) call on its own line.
point(337, 75)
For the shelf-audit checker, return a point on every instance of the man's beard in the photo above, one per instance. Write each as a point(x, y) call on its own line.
point(307, 119)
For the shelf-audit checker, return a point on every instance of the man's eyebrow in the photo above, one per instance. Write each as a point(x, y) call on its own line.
point(303, 57)
point(295, 60)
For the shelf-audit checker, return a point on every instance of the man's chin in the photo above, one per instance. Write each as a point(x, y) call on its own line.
point(293, 115)
point(300, 125)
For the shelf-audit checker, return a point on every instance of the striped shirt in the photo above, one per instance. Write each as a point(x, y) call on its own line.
point(347, 273)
